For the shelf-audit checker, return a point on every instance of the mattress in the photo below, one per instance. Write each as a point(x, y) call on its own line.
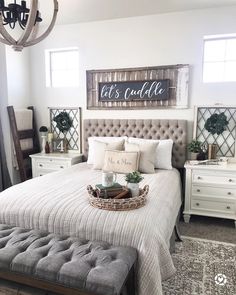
point(58, 203)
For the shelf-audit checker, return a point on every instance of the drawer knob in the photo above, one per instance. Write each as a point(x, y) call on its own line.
point(198, 190)
point(199, 177)
point(62, 167)
point(229, 193)
point(197, 204)
point(230, 180)
point(40, 165)
point(228, 207)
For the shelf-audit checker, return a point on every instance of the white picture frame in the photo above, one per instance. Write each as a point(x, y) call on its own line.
point(73, 136)
point(227, 140)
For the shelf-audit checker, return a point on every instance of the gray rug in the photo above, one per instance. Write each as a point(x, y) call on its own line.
point(217, 229)
point(203, 268)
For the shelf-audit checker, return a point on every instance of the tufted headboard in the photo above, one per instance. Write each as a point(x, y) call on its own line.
point(148, 129)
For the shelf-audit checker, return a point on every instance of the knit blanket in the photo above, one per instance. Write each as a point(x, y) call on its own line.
point(58, 202)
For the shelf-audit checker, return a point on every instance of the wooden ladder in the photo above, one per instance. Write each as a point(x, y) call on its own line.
point(22, 155)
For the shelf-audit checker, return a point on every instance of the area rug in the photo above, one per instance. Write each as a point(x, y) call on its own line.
point(203, 268)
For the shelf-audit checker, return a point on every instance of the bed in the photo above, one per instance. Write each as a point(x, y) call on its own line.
point(58, 202)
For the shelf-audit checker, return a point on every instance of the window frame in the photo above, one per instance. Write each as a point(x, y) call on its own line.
point(48, 65)
point(216, 38)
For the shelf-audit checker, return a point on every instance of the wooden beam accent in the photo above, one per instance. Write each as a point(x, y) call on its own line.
point(24, 134)
point(16, 141)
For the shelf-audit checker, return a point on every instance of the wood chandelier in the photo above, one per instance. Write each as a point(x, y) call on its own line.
point(27, 19)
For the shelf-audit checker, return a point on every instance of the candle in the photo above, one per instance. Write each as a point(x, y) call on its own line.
point(50, 137)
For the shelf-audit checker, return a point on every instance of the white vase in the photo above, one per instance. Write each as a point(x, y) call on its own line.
point(134, 188)
point(193, 156)
point(43, 143)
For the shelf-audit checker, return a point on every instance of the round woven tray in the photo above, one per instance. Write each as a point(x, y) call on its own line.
point(118, 204)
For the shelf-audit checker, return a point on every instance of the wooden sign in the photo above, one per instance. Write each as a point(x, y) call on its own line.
point(138, 88)
point(134, 90)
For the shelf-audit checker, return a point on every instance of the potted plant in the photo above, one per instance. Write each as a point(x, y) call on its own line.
point(194, 147)
point(43, 131)
point(133, 180)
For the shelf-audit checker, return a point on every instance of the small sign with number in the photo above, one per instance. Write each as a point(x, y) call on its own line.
point(59, 145)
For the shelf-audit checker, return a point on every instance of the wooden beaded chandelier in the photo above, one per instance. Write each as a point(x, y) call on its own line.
point(28, 19)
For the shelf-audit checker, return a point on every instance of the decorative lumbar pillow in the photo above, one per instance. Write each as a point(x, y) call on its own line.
point(99, 151)
point(107, 139)
point(163, 154)
point(121, 161)
point(147, 155)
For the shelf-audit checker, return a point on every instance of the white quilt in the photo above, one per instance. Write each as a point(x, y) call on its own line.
point(58, 202)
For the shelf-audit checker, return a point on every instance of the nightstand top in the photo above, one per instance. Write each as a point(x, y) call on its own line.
point(64, 156)
point(231, 166)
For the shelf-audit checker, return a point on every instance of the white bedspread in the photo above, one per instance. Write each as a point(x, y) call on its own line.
point(58, 203)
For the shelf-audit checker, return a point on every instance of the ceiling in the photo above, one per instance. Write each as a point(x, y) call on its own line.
point(74, 11)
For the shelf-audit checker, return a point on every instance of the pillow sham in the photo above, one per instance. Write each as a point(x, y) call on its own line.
point(105, 139)
point(121, 161)
point(147, 155)
point(163, 154)
point(99, 151)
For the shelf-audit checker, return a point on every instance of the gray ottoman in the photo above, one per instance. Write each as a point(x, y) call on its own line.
point(65, 265)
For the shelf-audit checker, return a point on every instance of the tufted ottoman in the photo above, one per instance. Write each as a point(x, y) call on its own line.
point(66, 265)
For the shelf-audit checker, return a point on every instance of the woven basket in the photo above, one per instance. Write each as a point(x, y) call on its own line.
point(118, 204)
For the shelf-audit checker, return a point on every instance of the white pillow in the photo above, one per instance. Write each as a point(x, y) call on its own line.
point(147, 155)
point(99, 151)
point(163, 153)
point(101, 139)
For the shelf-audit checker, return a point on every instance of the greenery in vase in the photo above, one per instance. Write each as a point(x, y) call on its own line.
point(134, 177)
point(43, 129)
point(216, 123)
point(195, 146)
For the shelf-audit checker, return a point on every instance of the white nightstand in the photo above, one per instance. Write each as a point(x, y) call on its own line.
point(210, 190)
point(46, 163)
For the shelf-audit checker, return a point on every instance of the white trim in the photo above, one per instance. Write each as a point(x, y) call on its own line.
point(219, 37)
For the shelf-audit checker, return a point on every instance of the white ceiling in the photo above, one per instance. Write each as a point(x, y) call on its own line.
point(74, 11)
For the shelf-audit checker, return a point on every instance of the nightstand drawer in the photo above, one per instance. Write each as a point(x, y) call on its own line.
point(43, 172)
point(54, 165)
point(215, 178)
point(212, 206)
point(198, 190)
point(46, 163)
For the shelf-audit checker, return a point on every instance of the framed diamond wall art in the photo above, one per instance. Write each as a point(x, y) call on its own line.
point(65, 123)
point(223, 136)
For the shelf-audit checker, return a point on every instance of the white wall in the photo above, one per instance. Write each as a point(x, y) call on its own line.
point(14, 90)
point(165, 39)
point(3, 106)
point(18, 77)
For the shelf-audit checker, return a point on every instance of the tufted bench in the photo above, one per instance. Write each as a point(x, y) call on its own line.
point(65, 265)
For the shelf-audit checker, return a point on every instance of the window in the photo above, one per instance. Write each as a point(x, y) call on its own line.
point(219, 64)
point(62, 68)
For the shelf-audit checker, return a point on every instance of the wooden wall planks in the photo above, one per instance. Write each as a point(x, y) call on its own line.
point(178, 75)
